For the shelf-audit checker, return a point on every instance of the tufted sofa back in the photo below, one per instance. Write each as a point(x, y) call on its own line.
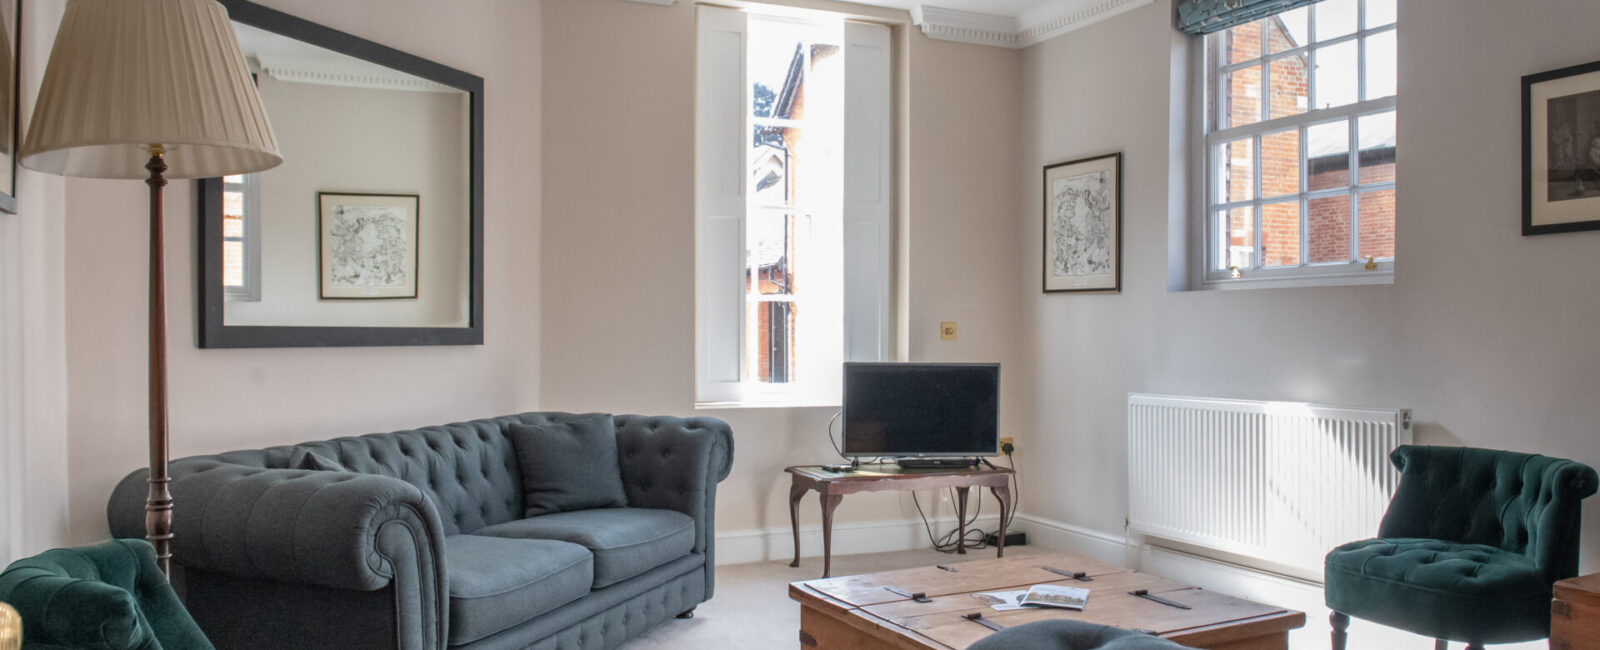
point(469, 470)
point(1523, 503)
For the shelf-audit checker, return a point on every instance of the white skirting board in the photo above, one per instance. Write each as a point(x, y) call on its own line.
point(849, 538)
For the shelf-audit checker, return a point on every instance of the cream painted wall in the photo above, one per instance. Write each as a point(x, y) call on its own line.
point(33, 345)
point(367, 141)
point(1488, 335)
point(228, 399)
point(619, 233)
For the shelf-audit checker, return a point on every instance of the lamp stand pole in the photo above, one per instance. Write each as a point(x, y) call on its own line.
point(158, 508)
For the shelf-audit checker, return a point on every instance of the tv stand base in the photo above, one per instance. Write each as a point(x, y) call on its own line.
point(936, 463)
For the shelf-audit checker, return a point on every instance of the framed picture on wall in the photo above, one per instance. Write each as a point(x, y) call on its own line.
point(1083, 225)
point(368, 245)
point(1561, 150)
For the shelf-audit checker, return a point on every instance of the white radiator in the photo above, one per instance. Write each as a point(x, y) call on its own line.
point(1281, 483)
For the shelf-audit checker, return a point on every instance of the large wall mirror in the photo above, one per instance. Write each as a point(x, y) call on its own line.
point(370, 233)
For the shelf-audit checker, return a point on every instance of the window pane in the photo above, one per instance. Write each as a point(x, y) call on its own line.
point(1335, 18)
point(1244, 42)
point(1328, 236)
point(1280, 163)
point(770, 340)
point(1280, 234)
point(1377, 223)
point(1376, 133)
point(772, 164)
point(773, 240)
point(1337, 81)
point(1381, 65)
point(1241, 238)
point(1380, 13)
point(232, 227)
point(1241, 99)
point(233, 264)
point(775, 51)
point(1289, 87)
point(1328, 155)
point(236, 179)
point(1287, 30)
point(233, 204)
point(1238, 178)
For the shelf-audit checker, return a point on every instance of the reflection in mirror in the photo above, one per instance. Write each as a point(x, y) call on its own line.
point(349, 128)
point(371, 232)
point(8, 105)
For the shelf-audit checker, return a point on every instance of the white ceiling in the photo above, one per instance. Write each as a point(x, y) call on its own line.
point(1005, 23)
point(1007, 8)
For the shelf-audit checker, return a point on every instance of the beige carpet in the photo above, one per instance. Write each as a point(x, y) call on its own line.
point(751, 608)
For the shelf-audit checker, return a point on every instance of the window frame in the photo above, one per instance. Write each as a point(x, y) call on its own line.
point(250, 187)
point(1208, 69)
point(724, 209)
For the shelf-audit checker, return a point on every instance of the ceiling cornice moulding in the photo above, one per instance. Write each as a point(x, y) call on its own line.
point(965, 26)
point(1032, 27)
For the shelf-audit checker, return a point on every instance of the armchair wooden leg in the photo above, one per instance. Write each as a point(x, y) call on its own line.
point(1441, 644)
point(1341, 623)
point(1474, 646)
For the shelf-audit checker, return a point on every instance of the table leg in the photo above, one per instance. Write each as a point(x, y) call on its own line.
point(1002, 493)
point(829, 502)
point(961, 519)
point(796, 492)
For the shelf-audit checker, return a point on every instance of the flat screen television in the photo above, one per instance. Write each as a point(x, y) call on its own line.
point(921, 410)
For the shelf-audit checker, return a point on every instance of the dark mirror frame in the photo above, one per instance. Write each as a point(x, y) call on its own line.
point(215, 333)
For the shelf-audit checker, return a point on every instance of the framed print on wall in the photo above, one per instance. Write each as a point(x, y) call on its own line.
point(1561, 150)
point(1083, 225)
point(368, 245)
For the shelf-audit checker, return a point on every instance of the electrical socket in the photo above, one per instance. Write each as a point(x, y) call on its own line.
point(1007, 441)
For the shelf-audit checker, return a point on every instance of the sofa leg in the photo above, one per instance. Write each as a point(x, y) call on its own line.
point(1441, 644)
point(1340, 623)
point(1474, 646)
point(688, 614)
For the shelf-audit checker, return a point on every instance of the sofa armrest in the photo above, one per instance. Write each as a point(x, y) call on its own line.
point(674, 464)
point(338, 530)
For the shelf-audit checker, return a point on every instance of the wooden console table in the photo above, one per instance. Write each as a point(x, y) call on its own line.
point(832, 486)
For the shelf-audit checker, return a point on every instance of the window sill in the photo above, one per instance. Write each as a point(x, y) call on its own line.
point(1357, 278)
point(715, 406)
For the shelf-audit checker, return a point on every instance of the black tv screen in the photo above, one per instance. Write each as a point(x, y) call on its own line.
point(921, 409)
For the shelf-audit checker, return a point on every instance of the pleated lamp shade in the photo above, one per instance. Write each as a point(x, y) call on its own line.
point(127, 75)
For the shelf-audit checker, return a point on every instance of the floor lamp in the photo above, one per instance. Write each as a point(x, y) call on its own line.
point(157, 87)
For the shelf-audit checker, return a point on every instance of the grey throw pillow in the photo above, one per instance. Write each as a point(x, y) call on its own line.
point(304, 459)
point(570, 465)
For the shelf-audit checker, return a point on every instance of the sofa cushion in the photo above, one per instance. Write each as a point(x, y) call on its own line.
point(1440, 589)
point(569, 465)
point(497, 582)
point(625, 541)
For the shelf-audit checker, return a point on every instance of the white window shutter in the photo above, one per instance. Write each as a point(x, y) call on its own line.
point(721, 138)
point(866, 191)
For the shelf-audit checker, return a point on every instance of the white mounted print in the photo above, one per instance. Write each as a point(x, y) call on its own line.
point(369, 245)
point(1083, 225)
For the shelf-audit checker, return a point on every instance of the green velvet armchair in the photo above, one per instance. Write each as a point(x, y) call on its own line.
point(1468, 549)
point(109, 596)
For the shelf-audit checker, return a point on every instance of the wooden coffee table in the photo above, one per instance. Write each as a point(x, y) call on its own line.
point(875, 610)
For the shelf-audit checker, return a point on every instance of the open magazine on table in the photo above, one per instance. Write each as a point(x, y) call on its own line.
point(1037, 595)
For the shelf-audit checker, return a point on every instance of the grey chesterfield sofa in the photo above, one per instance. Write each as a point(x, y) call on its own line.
point(417, 540)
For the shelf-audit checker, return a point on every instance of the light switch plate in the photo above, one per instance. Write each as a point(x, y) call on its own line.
point(947, 330)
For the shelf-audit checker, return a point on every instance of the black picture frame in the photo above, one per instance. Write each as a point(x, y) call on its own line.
point(412, 203)
point(1561, 150)
point(214, 332)
point(13, 135)
point(1084, 272)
